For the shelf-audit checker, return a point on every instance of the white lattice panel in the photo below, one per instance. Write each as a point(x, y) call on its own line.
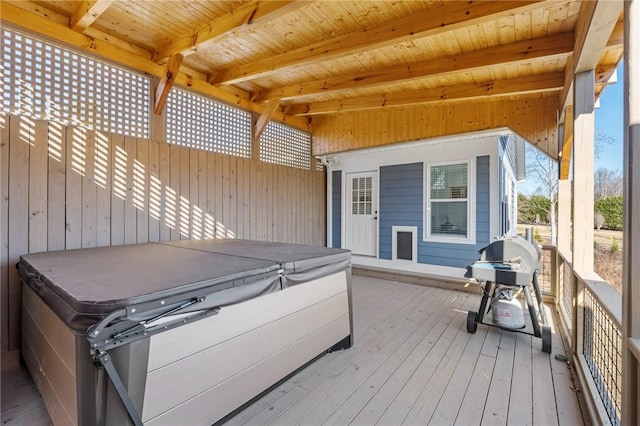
point(198, 122)
point(46, 81)
point(286, 146)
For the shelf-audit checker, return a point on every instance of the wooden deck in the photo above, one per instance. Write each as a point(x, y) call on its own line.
point(413, 362)
point(20, 402)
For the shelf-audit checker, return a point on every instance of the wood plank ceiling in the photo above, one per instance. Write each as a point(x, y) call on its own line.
point(306, 58)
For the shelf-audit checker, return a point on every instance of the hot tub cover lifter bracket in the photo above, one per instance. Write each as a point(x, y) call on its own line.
point(106, 336)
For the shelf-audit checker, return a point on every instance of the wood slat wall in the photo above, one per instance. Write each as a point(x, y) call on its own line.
point(535, 119)
point(65, 187)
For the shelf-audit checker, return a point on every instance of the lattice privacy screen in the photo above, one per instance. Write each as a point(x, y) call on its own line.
point(284, 145)
point(46, 81)
point(198, 122)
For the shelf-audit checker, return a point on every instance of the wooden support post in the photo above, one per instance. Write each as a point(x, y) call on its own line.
point(567, 143)
point(564, 183)
point(255, 143)
point(157, 129)
point(583, 181)
point(631, 245)
point(168, 78)
point(564, 216)
point(264, 119)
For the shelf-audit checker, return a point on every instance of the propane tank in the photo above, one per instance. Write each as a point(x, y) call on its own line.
point(507, 311)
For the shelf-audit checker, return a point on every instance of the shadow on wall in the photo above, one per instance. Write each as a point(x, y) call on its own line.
point(69, 187)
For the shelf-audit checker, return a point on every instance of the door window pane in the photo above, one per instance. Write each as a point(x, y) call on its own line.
point(361, 195)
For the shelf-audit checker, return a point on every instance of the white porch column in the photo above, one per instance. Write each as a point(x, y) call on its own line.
point(631, 242)
point(583, 168)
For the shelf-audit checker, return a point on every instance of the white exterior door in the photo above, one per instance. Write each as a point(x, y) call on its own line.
point(362, 213)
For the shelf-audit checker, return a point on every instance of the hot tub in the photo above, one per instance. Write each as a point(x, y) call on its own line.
point(181, 332)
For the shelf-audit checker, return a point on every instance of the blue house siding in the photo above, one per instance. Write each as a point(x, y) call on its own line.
point(402, 204)
point(483, 197)
point(461, 255)
point(336, 209)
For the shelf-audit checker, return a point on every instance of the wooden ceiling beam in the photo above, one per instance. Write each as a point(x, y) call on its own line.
point(516, 86)
point(15, 15)
point(207, 34)
point(449, 16)
point(617, 36)
point(597, 21)
point(87, 12)
point(527, 50)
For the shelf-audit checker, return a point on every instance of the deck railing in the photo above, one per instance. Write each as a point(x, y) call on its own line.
point(591, 316)
point(546, 276)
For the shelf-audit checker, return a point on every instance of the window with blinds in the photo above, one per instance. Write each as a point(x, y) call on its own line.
point(46, 81)
point(284, 145)
point(199, 122)
point(448, 203)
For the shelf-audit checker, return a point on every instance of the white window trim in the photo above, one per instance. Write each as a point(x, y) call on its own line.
point(414, 233)
point(471, 205)
point(508, 182)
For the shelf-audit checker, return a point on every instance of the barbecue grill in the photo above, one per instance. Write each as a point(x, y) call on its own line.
point(512, 263)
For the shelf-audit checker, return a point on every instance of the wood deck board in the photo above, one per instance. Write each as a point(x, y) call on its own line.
point(21, 402)
point(520, 401)
point(369, 353)
point(377, 404)
point(397, 411)
point(433, 391)
point(373, 296)
point(413, 362)
point(496, 407)
point(351, 398)
point(476, 395)
point(569, 410)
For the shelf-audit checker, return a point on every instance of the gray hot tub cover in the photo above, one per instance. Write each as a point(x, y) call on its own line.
point(84, 286)
point(299, 263)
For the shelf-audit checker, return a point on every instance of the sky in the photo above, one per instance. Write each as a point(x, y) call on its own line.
point(609, 123)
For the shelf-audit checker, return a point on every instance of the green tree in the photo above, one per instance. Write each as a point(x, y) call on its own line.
point(533, 208)
point(540, 207)
point(611, 209)
point(524, 210)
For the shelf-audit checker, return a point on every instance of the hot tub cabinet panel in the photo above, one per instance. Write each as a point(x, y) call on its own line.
point(243, 342)
point(258, 325)
point(49, 351)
